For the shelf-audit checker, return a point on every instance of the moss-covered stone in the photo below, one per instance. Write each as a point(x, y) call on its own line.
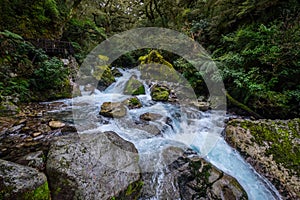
point(22, 183)
point(155, 67)
point(272, 147)
point(134, 87)
point(133, 103)
point(160, 93)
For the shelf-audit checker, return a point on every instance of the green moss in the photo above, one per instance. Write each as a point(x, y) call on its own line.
point(40, 193)
point(160, 93)
point(134, 188)
point(154, 57)
point(132, 192)
point(155, 67)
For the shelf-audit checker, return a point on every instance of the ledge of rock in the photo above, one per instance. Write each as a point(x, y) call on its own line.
point(21, 182)
point(272, 147)
point(96, 166)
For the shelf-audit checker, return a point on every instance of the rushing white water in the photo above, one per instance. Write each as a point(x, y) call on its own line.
point(198, 130)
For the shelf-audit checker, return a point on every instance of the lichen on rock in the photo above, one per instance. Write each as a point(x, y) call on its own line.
point(96, 166)
point(21, 182)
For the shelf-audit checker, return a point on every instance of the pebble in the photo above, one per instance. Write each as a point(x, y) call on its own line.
point(56, 124)
point(36, 134)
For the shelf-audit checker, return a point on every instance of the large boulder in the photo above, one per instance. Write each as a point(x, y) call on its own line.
point(272, 147)
point(20, 182)
point(134, 87)
point(113, 109)
point(184, 175)
point(96, 166)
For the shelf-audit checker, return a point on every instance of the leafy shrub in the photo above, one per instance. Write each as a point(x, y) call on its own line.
point(260, 64)
point(50, 75)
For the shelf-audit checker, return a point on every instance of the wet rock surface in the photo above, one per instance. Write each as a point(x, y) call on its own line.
point(187, 176)
point(150, 116)
point(272, 148)
point(94, 166)
point(113, 109)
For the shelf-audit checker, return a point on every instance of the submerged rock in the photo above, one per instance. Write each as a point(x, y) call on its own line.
point(150, 116)
point(160, 93)
point(187, 176)
point(113, 109)
point(21, 182)
point(272, 147)
point(97, 166)
point(134, 87)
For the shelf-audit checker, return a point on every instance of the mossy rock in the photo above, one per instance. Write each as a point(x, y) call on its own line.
point(132, 192)
point(104, 77)
point(133, 103)
point(155, 67)
point(134, 87)
point(154, 57)
point(272, 147)
point(160, 93)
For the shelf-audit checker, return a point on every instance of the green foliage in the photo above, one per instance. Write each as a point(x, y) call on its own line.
point(85, 33)
point(34, 19)
point(259, 62)
point(25, 70)
point(50, 74)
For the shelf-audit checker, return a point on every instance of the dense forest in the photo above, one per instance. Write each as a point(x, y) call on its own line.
point(254, 43)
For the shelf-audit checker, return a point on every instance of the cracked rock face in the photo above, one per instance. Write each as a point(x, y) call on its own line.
point(96, 166)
